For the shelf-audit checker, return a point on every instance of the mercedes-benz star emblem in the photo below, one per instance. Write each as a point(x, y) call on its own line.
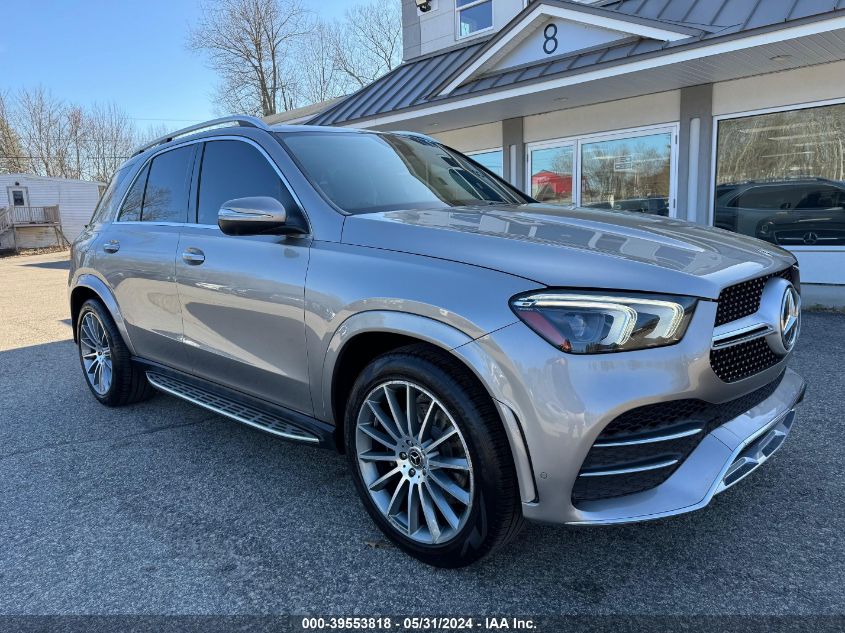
point(811, 238)
point(415, 458)
point(790, 317)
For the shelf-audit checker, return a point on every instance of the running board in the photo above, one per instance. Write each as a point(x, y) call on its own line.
point(230, 408)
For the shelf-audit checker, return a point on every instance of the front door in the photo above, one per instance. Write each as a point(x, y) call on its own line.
point(243, 296)
point(18, 196)
point(137, 255)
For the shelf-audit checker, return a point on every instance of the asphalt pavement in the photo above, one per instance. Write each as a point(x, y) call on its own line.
point(163, 508)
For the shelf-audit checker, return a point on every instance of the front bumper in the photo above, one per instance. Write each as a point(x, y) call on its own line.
point(722, 459)
point(555, 405)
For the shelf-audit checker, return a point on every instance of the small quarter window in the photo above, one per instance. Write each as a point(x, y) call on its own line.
point(131, 209)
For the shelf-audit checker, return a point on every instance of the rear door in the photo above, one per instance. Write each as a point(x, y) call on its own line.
point(137, 255)
point(243, 296)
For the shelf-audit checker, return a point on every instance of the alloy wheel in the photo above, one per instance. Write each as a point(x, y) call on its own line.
point(414, 462)
point(96, 353)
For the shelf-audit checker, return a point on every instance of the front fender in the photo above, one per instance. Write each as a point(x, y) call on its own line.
point(384, 321)
point(105, 294)
point(449, 339)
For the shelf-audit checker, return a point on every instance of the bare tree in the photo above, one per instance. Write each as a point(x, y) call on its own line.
point(249, 44)
point(109, 139)
point(369, 41)
point(319, 77)
point(12, 159)
point(73, 148)
point(41, 124)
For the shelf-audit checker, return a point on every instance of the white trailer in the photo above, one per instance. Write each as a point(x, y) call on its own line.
point(36, 211)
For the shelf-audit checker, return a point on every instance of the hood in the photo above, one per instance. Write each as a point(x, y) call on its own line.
point(570, 247)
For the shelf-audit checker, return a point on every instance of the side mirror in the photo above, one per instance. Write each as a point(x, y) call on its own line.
point(260, 215)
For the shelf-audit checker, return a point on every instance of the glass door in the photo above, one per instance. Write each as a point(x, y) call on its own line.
point(630, 170)
point(551, 173)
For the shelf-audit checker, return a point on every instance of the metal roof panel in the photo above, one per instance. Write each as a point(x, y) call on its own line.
point(414, 81)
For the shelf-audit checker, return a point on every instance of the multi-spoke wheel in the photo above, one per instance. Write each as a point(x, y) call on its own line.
point(95, 350)
point(430, 457)
point(414, 461)
point(106, 361)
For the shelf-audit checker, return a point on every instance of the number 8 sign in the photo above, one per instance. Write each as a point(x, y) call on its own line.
point(550, 42)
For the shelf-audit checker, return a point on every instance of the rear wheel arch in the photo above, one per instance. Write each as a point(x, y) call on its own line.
point(78, 297)
point(92, 287)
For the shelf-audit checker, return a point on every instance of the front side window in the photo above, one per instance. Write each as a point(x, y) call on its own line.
point(780, 176)
point(366, 172)
point(234, 169)
point(474, 16)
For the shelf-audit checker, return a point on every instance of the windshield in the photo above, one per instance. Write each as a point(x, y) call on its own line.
point(366, 172)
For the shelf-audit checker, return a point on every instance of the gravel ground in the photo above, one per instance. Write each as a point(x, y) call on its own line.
point(163, 508)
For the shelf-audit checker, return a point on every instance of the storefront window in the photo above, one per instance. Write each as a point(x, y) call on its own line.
point(631, 174)
point(551, 174)
point(492, 160)
point(780, 177)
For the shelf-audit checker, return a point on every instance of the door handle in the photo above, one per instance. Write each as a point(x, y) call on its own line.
point(112, 246)
point(193, 256)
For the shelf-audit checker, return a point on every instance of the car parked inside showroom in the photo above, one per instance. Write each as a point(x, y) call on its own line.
point(787, 212)
point(480, 358)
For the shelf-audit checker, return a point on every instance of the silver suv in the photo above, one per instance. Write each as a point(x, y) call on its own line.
point(481, 359)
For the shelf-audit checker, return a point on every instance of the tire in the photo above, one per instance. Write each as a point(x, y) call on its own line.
point(118, 381)
point(486, 511)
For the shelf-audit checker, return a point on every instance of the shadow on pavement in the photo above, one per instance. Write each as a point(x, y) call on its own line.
point(162, 507)
point(60, 265)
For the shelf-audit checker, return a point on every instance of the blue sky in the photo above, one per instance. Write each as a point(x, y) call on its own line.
point(131, 52)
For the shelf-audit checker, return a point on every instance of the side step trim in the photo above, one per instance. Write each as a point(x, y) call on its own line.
point(230, 408)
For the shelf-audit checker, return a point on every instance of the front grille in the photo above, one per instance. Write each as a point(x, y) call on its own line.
point(656, 438)
point(743, 360)
point(742, 299)
point(735, 302)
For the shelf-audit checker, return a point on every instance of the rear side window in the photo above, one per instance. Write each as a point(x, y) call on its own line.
point(168, 186)
point(234, 169)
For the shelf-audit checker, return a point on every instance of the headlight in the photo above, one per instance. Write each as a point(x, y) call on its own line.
point(586, 322)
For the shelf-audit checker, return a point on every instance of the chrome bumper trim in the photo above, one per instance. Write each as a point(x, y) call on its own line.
point(649, 440)
point(723, 458)
point(628, 471)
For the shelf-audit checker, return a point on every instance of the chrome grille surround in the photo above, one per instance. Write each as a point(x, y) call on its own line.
point(751, 340)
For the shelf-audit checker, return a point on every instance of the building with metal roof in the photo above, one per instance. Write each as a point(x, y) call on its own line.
point(680, 101)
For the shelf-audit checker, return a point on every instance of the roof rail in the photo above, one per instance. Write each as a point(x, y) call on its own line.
point(242, 120)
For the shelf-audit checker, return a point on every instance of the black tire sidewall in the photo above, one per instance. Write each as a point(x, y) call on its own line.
point(473, 541)
point(114, 341)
